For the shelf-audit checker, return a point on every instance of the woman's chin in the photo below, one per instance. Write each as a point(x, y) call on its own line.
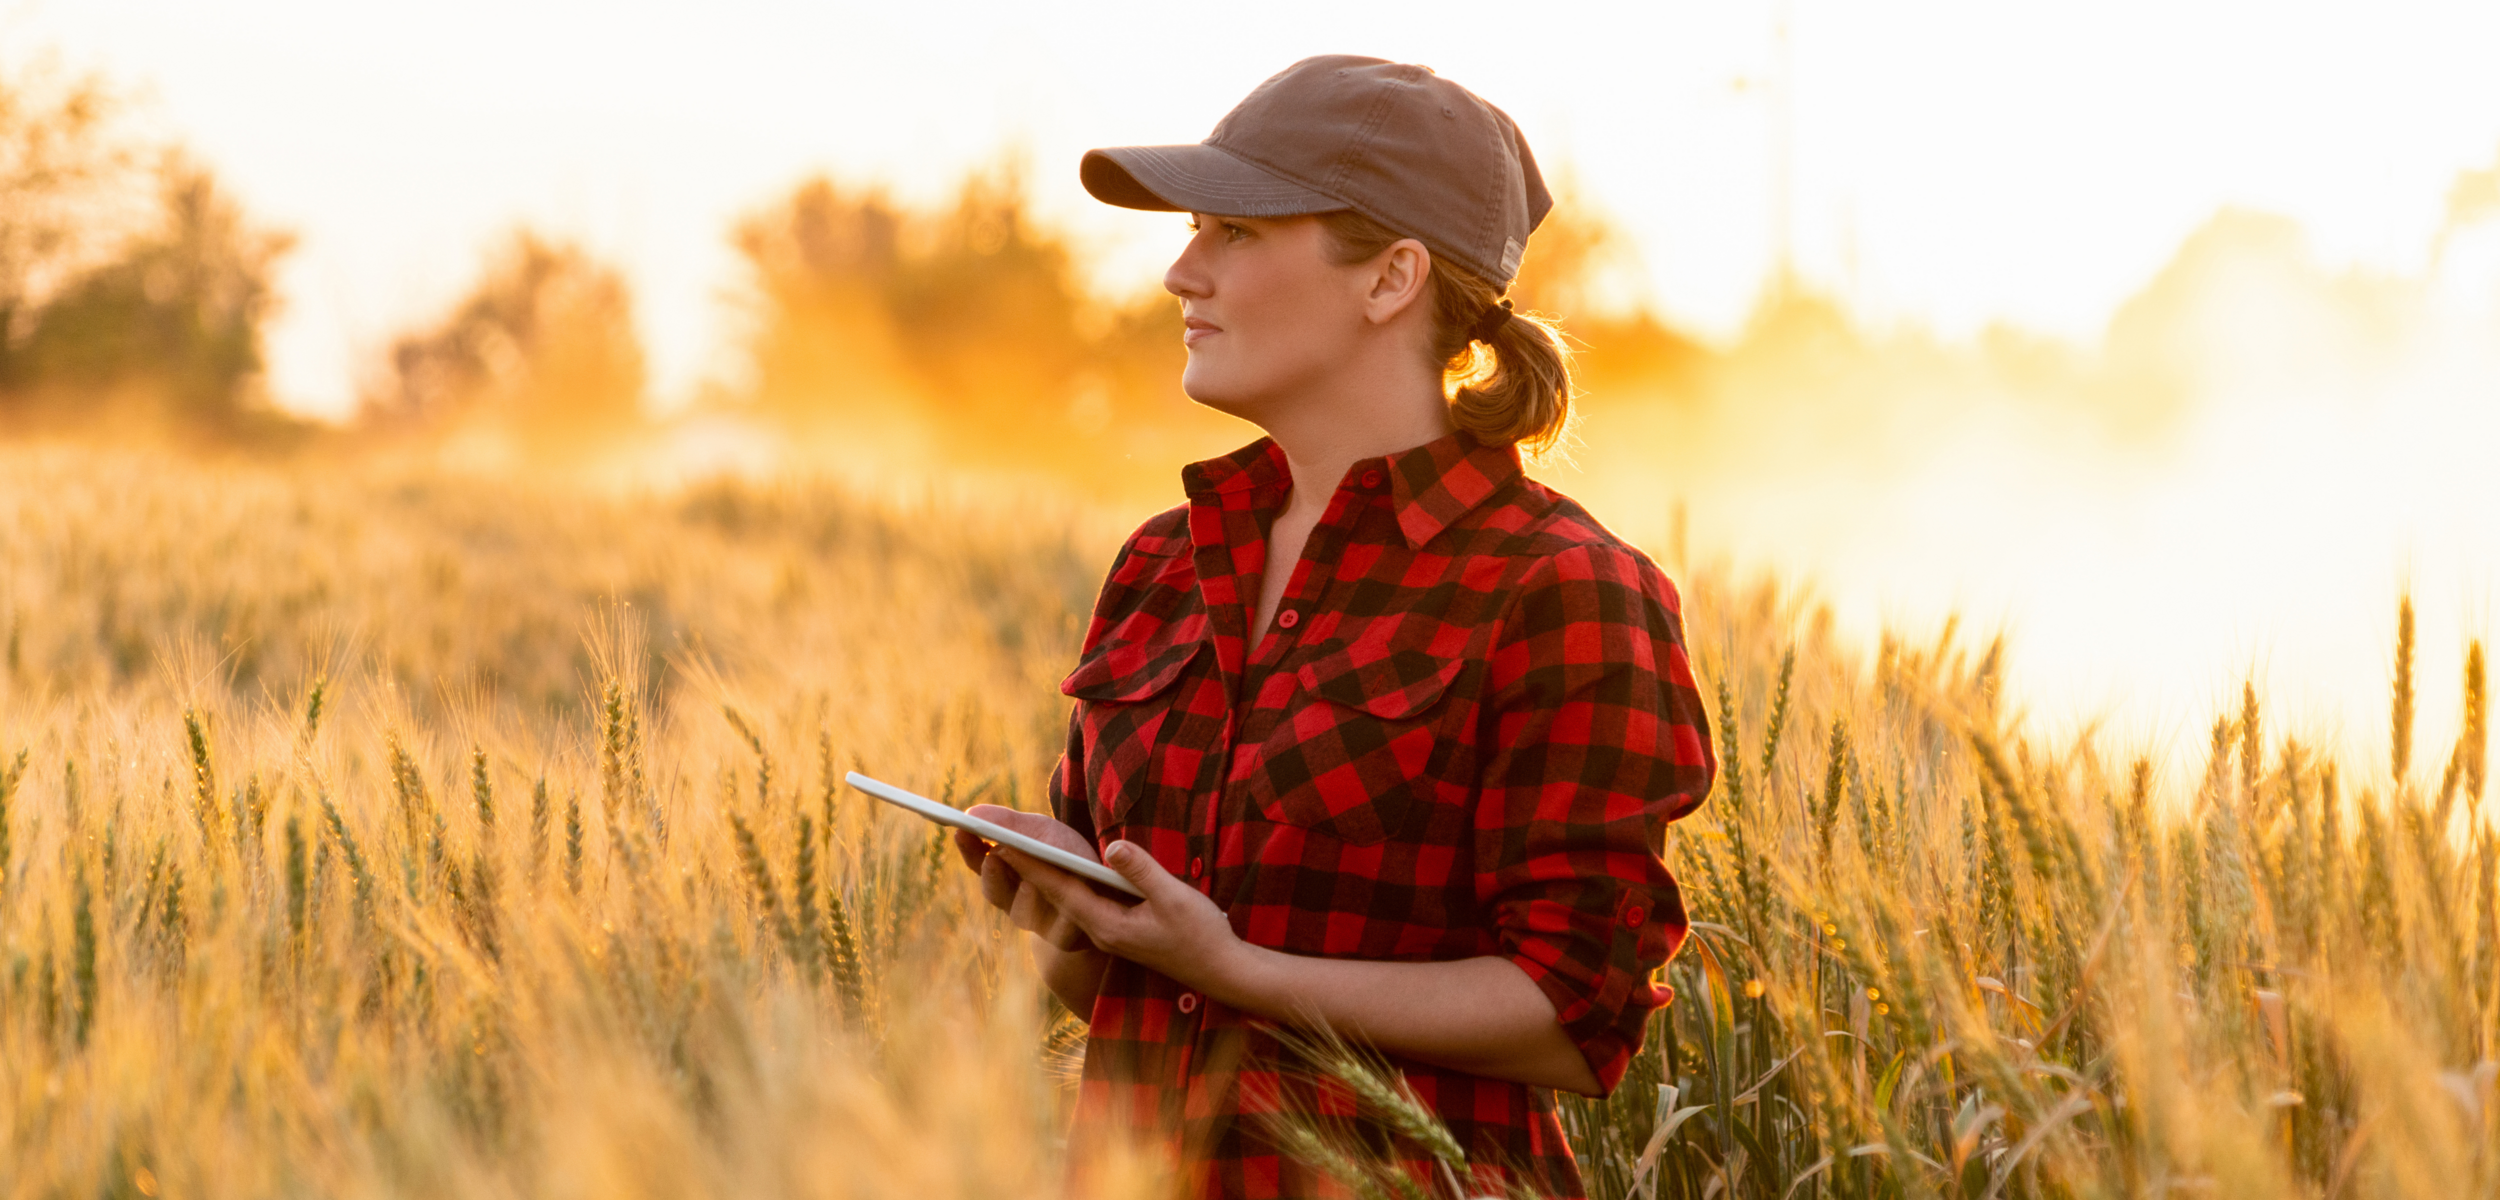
point(1214, 393)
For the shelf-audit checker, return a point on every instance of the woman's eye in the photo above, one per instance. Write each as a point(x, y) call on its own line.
point(1233, 232)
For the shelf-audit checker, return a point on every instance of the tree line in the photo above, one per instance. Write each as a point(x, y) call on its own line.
point(135, 291)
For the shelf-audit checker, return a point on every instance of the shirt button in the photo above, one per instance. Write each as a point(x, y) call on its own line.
point(1288, 619)
point(1633, 916)
point(1371, 479)
point(1197, 867)
point(1188, 1003)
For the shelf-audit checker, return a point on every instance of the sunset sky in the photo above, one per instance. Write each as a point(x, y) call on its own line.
point(1951, 162)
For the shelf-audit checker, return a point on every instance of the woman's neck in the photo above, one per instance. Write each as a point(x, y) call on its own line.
point(1325, 436)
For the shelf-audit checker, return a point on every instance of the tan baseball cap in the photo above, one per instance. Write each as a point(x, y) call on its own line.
point(1392, 141)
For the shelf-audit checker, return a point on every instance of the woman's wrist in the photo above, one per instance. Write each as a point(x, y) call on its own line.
point(1247, 977)
point(1075, 976)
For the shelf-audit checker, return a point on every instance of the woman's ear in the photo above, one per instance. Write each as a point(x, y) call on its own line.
point(1401, 278)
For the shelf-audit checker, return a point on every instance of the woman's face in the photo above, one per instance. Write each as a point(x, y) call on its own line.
point(1267, 314)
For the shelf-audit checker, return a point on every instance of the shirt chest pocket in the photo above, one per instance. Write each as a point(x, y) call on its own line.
point(1358, 755)
point(1125, 693)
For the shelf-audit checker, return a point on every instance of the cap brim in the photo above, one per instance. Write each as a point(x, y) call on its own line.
point(1196, 178)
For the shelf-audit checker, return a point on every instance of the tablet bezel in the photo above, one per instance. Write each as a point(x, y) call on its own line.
point(988, 831)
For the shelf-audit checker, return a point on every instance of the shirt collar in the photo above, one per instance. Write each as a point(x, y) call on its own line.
point(1430, 486)
point(1260, 462)
point(1435, 484)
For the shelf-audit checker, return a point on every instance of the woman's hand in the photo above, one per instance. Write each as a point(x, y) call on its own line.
point(1031, 908)
point(1176, 930)
point(1482, 1015)
point(1071, 966)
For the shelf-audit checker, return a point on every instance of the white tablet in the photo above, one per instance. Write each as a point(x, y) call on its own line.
point(999, 834)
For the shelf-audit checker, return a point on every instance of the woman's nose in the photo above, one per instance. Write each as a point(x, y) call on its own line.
point(1186, 277)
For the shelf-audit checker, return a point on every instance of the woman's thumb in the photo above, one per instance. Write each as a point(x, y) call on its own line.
point(1135, 865)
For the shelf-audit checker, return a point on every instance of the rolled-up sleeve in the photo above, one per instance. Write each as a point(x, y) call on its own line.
point(1599, 740)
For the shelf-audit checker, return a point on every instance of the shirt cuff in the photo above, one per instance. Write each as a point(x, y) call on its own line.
point(1595, 1013)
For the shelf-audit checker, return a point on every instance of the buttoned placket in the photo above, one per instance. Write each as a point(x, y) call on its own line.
point(1219, 592)
point(1298, 618)
point(1214, 798)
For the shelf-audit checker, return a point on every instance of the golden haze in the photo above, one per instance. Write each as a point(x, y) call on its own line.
point(443, 805)
point(423, 832)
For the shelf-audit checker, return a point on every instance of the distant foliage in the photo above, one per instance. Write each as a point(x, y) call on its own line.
point(126, 292)
point(968, 326)
point(172, 322)
point(963, 298)
point(967, 323)
point(542, 346)
point(63, 165)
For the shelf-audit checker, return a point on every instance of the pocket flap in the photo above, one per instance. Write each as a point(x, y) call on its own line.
point(1127, 672)
point(1390, 684)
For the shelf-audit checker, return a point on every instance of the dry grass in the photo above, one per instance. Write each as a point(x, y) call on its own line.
point(395, 836)
point(403, 834)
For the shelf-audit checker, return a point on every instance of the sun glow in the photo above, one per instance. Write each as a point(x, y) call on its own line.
point(2252, 408)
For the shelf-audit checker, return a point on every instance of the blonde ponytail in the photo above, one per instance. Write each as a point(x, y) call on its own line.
point(1515, 389)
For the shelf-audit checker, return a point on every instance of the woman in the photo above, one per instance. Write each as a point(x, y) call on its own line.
point(1386, 734)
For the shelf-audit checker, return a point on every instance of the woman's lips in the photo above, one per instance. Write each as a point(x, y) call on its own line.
point(1193, 329)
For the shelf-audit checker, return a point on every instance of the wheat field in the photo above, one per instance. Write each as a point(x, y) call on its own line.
point(373, 830)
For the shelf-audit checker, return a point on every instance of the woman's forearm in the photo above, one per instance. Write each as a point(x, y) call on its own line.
point(1479, 1015)
point(1483, 1016)
point(1075, 976)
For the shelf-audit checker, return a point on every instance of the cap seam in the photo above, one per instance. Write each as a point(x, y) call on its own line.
point(1372, 121)
point(1167, 170)
point(1489, 229)
point(1280, 172)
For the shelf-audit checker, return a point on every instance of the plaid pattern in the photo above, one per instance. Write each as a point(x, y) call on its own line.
point(1463, 735)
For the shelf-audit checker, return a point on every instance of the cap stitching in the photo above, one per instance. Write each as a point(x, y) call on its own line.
point(1167, 170)
point(1372, 121)
point(1371, 126)
point(1263, 163)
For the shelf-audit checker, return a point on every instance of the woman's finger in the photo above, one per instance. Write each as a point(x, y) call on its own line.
point(1140, 868)
point(1000, 882)
point(1032, 911)
point(1036, 826)
point(971, 849)
point(1065, 935)
point(1072, 896)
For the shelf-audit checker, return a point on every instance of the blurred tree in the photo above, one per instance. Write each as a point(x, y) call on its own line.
point(820, 264)
point(171, 323)
point(970, 316)
point(65, 172)
point(2473, 197)
point(1624, 354)
point(990, 311)
point(1560, 270)
point(543, 347)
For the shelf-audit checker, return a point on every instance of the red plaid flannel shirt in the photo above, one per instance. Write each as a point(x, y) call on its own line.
point(1463, 735)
